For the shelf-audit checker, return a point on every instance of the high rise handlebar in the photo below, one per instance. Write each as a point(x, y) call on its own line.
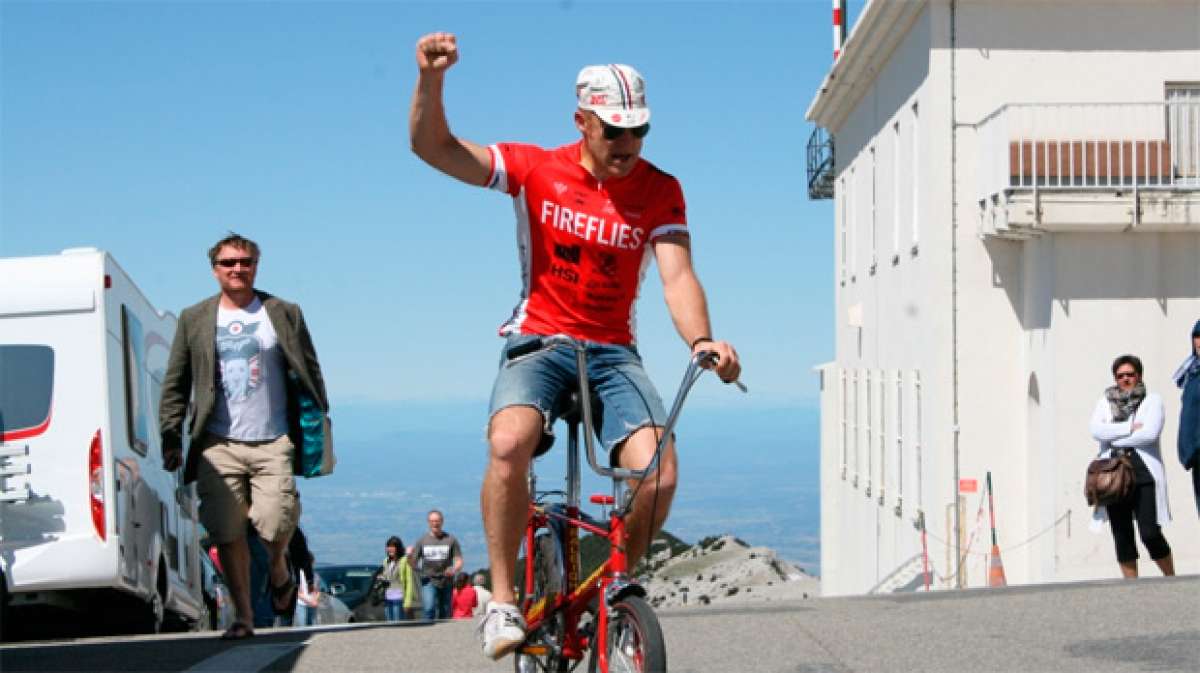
point(696, 366)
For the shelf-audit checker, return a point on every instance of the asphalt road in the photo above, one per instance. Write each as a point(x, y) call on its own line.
point(1144, 625)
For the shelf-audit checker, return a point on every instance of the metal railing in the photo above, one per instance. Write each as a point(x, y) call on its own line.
point(820, 164)
point(1090, 146)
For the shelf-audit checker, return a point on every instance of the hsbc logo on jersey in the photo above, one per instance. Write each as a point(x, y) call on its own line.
point(592, 228)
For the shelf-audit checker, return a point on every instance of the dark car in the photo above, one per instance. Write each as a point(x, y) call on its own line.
point(351, 584)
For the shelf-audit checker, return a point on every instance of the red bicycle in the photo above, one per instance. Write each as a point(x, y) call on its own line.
point(606, 613)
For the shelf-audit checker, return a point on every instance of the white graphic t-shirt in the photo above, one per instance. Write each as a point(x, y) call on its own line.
point(251, 404)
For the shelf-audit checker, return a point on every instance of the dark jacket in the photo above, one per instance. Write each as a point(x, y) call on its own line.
point(1189, 413)
point(192, 370)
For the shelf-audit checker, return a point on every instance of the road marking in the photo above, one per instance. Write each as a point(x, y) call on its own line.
point(245, 658)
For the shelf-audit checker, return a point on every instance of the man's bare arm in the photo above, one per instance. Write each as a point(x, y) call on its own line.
point(688, 306)
point(429, 132)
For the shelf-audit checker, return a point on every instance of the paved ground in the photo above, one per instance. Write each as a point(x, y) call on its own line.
point(1094, 627)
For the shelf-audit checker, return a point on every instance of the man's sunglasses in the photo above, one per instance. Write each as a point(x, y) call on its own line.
point(614, 132)
point(1126, 375)
point(230, 262)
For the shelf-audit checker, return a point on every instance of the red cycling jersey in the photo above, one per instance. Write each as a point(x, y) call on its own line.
point(582, 243)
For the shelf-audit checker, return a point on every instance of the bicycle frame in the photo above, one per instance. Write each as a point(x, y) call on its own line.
point(610, 581)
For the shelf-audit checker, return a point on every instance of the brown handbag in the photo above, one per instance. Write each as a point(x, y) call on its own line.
point(1109, 480)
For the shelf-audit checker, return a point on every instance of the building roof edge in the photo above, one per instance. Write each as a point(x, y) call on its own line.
point(879, 28)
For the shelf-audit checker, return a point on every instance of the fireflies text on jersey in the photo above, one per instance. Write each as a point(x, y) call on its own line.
point(591, 227)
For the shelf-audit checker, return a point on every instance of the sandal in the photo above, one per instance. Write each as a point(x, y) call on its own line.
point(287, 591)
point(239, 631)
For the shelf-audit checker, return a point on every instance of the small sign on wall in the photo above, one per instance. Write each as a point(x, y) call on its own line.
point(968, 485)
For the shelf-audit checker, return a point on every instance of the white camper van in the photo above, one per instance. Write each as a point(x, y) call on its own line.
point(89, 520)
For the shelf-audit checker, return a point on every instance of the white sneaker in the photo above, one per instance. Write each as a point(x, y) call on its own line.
point(502, 629)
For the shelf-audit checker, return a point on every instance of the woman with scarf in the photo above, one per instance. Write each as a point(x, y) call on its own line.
point(1129, 419)
point(402, 594)
point(1187, 377)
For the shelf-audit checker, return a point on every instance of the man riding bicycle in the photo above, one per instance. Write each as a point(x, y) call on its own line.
point(588, 216)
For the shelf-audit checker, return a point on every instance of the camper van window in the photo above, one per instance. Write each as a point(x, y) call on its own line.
point(136, 380)
point(26, 388)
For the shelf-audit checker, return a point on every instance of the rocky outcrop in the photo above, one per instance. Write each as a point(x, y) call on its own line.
point(722, 570)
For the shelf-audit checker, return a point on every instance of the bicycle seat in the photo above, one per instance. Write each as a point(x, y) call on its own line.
point(567, 407)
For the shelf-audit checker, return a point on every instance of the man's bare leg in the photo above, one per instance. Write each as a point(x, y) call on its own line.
point(235, 562)
point(656, 494)
point(504, 499)
point(277, 552)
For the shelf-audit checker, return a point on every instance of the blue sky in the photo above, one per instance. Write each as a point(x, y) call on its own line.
point(150, 129)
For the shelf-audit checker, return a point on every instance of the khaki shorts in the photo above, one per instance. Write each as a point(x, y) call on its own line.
point(237, 481)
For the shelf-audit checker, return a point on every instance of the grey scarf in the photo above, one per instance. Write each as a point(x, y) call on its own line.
point(1124, 404)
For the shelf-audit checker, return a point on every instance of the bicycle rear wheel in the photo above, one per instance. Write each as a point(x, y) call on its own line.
point(635, 639)
point(542, 646)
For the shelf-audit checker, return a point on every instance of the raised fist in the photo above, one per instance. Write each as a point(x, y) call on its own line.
point(436, 52)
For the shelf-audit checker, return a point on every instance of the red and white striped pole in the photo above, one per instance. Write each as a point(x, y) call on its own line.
point(839, 27)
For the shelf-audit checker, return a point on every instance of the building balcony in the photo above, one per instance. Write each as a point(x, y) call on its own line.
point(1089, 167)
point(820, 165)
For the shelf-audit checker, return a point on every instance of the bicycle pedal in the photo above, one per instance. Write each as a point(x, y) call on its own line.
point(534, 650)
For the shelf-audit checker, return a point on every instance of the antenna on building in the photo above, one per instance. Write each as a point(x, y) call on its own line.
point(839, 27)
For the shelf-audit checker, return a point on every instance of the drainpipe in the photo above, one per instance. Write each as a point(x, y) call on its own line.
point(958, 541)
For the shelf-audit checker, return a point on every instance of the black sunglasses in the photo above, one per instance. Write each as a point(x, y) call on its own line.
point(1127, 375)
point(230, 262)
point(614, 132)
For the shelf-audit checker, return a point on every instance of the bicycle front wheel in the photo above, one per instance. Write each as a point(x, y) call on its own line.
point(540, 654)
point(635, 639)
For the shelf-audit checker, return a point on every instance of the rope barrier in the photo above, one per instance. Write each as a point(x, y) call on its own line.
point(1018, 545)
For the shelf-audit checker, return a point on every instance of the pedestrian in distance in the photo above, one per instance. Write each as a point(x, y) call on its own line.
point(241, 357)
point(463, 600)
point(590, 215)
point(1128, 418)
point(402, 592)
point(437, 556)
point(482, 594)
point(308, 594)
point(1187, 377)
point(261, 605)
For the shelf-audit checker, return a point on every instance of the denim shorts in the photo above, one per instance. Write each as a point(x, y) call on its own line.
point(628, 400)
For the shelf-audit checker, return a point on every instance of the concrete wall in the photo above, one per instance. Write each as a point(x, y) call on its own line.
point(1038, 322)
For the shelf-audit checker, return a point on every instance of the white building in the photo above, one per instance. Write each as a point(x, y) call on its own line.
point(1017, 202)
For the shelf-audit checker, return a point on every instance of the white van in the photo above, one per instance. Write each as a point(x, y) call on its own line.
point(89, 520)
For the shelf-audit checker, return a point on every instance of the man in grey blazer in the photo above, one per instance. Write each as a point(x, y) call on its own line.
point(240, 357)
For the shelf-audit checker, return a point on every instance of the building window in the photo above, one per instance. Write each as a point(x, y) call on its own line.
point(1183, 131)
point(845, 411)
point(874, 216)
point(854, 427)
point(896, 192)
point(842, 205)
point(883, 413)
point(870, 430)
point(852, 219)
point(915, 178)
point(918, 440)
point(899, 442)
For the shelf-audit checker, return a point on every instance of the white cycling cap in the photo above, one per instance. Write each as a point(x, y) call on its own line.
point(615, 92)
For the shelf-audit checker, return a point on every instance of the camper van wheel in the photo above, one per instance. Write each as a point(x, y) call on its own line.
point(5, 624)
point(154, 611)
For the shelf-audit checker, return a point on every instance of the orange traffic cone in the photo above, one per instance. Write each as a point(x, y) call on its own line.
point(995, 565)
point(996, 569)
